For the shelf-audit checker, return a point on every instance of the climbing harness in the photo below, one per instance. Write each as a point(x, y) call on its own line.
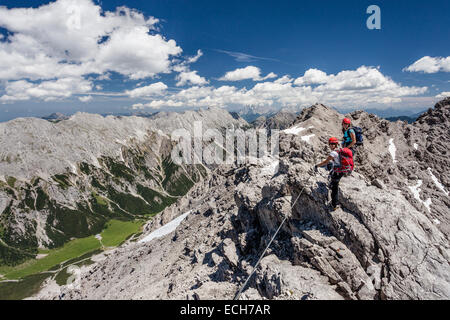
point(238, 295)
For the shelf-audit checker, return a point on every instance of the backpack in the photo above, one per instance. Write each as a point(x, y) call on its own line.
point(346, 160)
point(358, 135)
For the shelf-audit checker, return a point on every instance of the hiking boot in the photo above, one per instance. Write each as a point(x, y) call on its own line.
point(333, 207)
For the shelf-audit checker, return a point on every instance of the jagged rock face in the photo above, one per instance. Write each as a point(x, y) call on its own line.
point(280, 121)
point(385, 242)
point(65, 180)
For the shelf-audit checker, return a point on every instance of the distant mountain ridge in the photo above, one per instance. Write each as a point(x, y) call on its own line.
point(57, 116)
point(65, 179)
point(402, 118)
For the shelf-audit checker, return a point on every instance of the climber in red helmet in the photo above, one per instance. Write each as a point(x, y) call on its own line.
point(349, 135)
point(332, 162)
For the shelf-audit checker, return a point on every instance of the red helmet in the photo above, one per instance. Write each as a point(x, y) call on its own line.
point(333, 140)
point(346, 121)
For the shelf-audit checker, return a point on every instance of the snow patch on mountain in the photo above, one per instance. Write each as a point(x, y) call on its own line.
point(308, 138)
point(294, 130)
point(392, 149)
point(271, 168)
point(416, 192)
point(436, 182)
point(166, 229)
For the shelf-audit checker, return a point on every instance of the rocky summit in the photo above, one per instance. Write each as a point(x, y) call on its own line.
point(279, 121)
point(389, 239)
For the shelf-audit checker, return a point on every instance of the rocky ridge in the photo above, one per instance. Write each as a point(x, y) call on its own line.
point(279, 121)
point(389, 239)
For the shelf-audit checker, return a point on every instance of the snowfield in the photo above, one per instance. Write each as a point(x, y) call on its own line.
point(165, 229)
point(392, 149)
point(294, 130)
point(416, 192)
point(271, 168)
point(307, 138)
point(436, 182)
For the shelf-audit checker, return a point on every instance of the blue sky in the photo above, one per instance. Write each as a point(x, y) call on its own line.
point(70, 56)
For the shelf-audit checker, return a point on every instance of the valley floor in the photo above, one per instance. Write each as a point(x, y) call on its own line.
point(25, 280)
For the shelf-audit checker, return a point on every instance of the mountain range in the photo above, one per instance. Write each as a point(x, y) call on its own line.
point(205, 227)
point(65, 179)
point(388, 240)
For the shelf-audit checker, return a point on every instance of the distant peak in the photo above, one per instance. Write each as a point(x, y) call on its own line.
point(56, 116)
point(439, 114)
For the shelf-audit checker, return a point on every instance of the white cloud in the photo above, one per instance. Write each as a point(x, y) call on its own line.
point(443, 95)
point(186, 76)
point(363, 78)
point(136, 54)
point(249, 72)
point(312, 76)
point(85, 98)
point(150, 90)
point(157, 104)
point(270, 76)
point(137, 106)
point(183, 66)
point(106, 76)
point(75, 38)
point(284, 79)
point(360, 87)
point(190, 77)
point(46, 90)
point(196, 57)
point(430, 65)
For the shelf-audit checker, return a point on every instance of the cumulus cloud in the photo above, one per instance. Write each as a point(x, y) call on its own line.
point(191, 77)
point(85, 98)
point(157, 104)
point(150, 90)
point(443, 95)
point(249, 72)
point(365, 85)
point(185, 75)
point(46, 90)
point(430, 65)
point(284, 79)
point(312, 76)
point(75, 38)
point(270, 76)
point(364, 80)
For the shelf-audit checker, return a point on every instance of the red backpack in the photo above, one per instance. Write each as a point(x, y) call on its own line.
point(346, 159)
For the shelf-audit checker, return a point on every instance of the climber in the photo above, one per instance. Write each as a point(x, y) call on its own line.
point(349, 135)
point(340, 163)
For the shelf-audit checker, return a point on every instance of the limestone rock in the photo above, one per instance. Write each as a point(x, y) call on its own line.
point(383, 242)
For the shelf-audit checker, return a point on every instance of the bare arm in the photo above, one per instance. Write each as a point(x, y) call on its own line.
point(353, 136)
point(325, 162)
